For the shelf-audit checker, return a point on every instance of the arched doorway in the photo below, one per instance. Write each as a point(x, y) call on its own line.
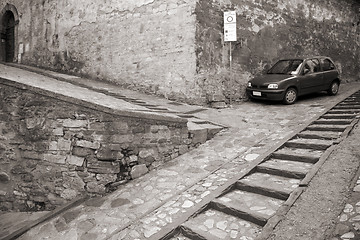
point(9, 20)
point(8, 36)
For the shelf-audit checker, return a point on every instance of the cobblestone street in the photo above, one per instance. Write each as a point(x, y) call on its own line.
point(179, 120)
point(349, 220)
point(151, 205)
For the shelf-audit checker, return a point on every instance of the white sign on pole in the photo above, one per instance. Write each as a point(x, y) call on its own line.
point(230, 26)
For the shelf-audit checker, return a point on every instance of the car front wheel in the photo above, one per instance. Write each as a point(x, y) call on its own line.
point(334, 88)
point(290, 96)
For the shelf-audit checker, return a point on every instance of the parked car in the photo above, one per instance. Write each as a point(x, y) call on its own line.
point(290, 78)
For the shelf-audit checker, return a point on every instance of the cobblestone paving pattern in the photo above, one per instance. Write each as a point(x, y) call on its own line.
point(231, 228)
point(143, 207)
point(348, 227)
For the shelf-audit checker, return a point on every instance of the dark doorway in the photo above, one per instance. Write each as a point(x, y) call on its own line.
point(8, 22)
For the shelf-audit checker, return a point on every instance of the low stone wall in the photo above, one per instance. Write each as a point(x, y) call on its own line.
point(53, 150)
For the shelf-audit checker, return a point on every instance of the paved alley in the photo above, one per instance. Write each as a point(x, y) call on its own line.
point(151, 205)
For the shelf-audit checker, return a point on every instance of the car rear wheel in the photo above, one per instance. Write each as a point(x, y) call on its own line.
point(334, 88)
point(290, 96)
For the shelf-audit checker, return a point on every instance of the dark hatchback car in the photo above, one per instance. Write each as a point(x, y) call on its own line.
point(290, 78)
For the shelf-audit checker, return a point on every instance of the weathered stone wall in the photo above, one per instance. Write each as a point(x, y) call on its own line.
point(269, 30)
point(52, 150)
point(146, 45)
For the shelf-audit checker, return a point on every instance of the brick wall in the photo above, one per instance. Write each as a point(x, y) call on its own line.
point(52, 150)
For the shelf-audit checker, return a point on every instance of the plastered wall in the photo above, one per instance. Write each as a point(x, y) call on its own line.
point(269, 30)
point(146, 45)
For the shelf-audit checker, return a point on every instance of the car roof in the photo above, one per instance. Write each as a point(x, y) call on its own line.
point(320, 57)
point(307, 57)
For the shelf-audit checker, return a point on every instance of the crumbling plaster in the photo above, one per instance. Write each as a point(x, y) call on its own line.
point(269, 30)
point(146, 45)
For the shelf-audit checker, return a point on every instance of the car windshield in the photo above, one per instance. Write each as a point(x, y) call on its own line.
point(285, 66)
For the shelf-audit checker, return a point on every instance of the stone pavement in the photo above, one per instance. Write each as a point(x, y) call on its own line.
point(348, 226)
point(145, 207)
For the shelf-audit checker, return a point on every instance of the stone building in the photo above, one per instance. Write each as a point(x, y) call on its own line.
point(176, 48)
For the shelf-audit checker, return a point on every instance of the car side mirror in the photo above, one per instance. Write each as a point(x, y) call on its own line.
point(266, 69)
point(306, 71)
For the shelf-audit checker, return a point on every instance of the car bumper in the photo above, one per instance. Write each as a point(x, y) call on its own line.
point(274, 95)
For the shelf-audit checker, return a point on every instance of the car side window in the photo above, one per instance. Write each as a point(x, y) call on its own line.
point(312, 66)
point(327, 65)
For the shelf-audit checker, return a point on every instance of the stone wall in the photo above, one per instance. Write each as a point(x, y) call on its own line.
point(53, 150)
point(269, 30)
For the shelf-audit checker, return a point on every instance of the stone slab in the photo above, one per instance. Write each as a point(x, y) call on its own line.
point(294, 154)
point(326, 127)
point(317, 144)
point(319, 135)
point(292, 167)
point(252, 203)
point(213, 224)
point(268, 181)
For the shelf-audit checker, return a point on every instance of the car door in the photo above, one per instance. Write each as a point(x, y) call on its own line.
point(329, 71)
point(311, 79)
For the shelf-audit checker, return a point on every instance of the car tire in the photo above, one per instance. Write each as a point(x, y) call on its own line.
point(334, 88)
point(290, 96)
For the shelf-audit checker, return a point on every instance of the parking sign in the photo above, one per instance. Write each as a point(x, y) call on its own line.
point(230, 26)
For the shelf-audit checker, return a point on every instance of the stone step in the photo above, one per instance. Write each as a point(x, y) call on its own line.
point(352, 98)
point(194, 119)
point(305, 143)
point(348, 111)
point(199, 134)
point(319, 135)
point(179, 236)
point(349, 103)
point(214, 225)
point(290, 169)
point(339, 116)
point(241, 213)
point(211, 129)
point(202, 132)
point(326, 127)
point(330, 121)
point(299, 155)
point(249, 206)
point(268, 185)
point(347, 106)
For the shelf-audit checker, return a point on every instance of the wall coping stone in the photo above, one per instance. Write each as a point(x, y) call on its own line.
point(137, 112)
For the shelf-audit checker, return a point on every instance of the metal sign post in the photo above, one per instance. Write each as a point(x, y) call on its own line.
point(230, 34)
